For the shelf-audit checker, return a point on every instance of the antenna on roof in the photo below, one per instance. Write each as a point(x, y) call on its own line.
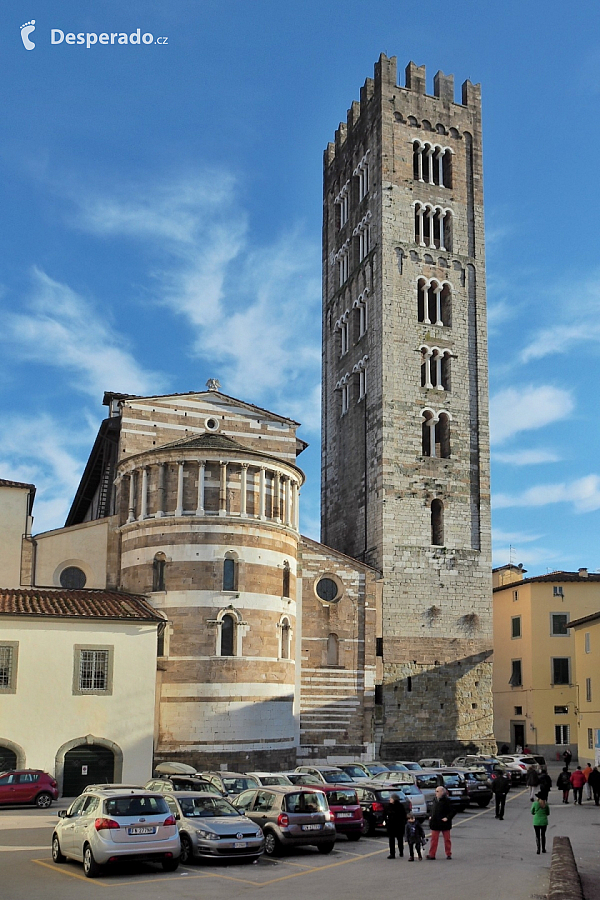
point(213, 384)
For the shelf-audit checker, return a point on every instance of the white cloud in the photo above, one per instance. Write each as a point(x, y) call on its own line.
point(526, 457)
point(560, 339)
point(583, 494)
point(63, 330)
point(514, 537)
point(513, 410)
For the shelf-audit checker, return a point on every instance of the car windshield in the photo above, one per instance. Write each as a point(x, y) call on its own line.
point(453, 780)
point(136, 806)
point(427, 781)
point(237, 785)
point(476, 776)
point(355, 771)
point(204, 807)
point(307, 801)
point(375, 769)
point(385, 795)
point(399, 767)
point(342, 798)
point(332, 776)
point(410, 789)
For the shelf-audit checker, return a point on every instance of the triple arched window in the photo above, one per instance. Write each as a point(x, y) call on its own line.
point(435, 435)
point(434, 302)
point(433, 226)
point(435, 368)
point(432, 163)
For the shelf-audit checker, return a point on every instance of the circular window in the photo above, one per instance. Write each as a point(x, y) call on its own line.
point(328, 590)
point(211, 424)
point(72, 578)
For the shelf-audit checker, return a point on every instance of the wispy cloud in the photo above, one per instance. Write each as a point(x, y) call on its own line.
point(514, 537)
point(514, 410)
point(526, 457)
point(62, 329)
point(583, 494)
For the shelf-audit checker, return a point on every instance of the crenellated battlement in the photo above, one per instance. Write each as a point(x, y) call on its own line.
point(386, 78)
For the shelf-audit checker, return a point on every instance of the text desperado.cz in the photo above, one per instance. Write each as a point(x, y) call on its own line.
point(89, 38)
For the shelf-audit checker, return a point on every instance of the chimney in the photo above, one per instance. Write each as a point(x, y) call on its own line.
point(583, 573)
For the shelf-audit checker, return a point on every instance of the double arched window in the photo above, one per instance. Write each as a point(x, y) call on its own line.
point(434, 302)
point(435, 433)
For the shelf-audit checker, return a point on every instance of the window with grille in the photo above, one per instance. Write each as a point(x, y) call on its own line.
point(588, 690)
point(590, 733)
point(518, 710)
point(561, 666)
point(587, 642)
point(8, 667)
point(558, 624)
point(562, 734)
point(93, 670)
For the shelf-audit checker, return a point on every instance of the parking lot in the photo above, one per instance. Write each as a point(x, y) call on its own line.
point(491, 859)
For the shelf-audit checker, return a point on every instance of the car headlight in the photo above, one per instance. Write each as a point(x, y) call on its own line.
point(207, 835)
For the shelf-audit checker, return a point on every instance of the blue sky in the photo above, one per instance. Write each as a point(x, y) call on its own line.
point(161, 219)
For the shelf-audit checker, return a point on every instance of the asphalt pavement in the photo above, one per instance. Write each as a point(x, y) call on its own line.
point(492, 860)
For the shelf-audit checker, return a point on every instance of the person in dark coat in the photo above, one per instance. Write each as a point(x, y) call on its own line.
point(395, 823)
point(567, 756)
point(415, 837)
point(500, 788)
point(440, 822)
point(532, 781)
point(563, 783)
point(594, 783)
point(545, 783)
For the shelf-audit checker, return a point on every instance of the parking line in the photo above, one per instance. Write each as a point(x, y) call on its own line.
point(489, 809)
point(8, 849)
point(342, 862)
point(62, 871)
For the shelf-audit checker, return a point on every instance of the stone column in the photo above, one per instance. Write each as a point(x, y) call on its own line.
point(276, 493)
point(426, 319)
point(160, 494)
point(296, 504)
point(179, 507)
point(428, 383)
point(288, 502)
point(420, 164)
point(262, 490)
point(131, 516)
point(223, 489)
point(438, 304)
point(144, 497)
point(201, 474)
point(243, 489)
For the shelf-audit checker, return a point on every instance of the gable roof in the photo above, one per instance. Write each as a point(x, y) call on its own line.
point(584, 620)
point(4, 482)
point(206, 441)
point(551, 577)
point(71, 604)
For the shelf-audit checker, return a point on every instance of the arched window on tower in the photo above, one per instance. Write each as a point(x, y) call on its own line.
point(442, 436)
point(333, 650)
point(285, 639)
point(158, 572)
point(285, 589)
point(229, 573)
point(227, 635)
point(435, 433)
point(437, 523)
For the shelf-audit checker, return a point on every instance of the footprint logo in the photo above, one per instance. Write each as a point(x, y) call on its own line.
point(26, 30)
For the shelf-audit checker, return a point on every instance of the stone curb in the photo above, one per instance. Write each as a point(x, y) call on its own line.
point(565, 883)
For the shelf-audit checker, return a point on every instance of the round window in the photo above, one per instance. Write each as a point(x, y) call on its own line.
point(211, 424)
point(328, 590)
point(72, 578)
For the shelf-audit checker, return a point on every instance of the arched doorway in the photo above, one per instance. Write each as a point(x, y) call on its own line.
point(87, 764)
point(8, 759)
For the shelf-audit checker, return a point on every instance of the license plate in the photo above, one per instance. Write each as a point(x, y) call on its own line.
point(141, 830)
point(344, 815)
point(482, 788)
point(240, 845)
point(311, 828)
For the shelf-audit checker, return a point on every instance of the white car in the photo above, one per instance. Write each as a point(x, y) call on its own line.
point(269, 778)
point(105, 826)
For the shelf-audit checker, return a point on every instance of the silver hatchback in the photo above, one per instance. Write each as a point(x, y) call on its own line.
point(210, 826)
point(104, 826)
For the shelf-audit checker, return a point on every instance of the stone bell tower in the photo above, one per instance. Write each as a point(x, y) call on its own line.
point(405, 456)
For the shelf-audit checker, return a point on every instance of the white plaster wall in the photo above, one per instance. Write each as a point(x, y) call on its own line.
point(84, 546)
point(44, 714)
point(13, 524)
point(211, 725)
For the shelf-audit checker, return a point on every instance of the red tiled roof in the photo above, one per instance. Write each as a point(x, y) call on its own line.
point(551, 577)
point(4, 482)
point(85, 604)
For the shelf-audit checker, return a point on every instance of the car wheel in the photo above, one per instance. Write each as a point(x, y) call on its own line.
point(91, 869)
point(57, 854)
point(187, 850)
point(43, 801)
point(326, 848)
point(483, 803)
point(368, 827)
point(169, 865)
point(355, 836)
point(272, 844)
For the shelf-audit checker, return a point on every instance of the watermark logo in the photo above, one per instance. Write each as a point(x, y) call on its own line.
point(26, 30)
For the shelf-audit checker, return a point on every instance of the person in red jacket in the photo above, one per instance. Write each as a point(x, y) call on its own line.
point(578, 781)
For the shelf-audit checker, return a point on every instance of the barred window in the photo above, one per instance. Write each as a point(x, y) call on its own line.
point(93, 670)
point(590, 734)
point(562, 734)
point(8, 667)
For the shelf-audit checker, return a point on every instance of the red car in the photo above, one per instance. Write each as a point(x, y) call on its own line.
point(347, 811)
point(28, 786)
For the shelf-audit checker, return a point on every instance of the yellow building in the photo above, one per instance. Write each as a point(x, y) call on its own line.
point(536, 693)
point(587, 666)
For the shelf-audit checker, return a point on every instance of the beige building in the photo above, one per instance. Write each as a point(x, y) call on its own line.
point(587, 667)
point(537, 682)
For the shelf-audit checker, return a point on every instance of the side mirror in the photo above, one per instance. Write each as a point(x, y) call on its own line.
point(62, 813)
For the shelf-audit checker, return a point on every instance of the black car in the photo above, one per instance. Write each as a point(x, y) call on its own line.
point(454, 782)
point(479, 787)
point(373, 799)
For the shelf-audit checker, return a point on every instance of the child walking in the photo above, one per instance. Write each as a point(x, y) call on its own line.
point(414, 837)
point(540, 812)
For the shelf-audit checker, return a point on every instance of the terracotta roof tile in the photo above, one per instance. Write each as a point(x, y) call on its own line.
point(4, 482)
point(86, 604)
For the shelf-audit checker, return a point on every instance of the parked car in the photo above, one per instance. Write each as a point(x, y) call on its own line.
point(326, 774)
point(113, 787)
point(267, 778)
point(431, 763)
point(479, 787)
point(28, 786)
point(230, 784)
point(454, 782)
point(519, 764)
point(402, 764)
point(166, 784)
point(347, 812)
point(402, 775)
point(210, 826)
point(416, 797)
point(289, 817)
point(373, 799)
point(103, 827)
point(302, 778)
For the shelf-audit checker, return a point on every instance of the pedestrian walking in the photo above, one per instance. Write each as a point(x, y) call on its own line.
point(587, 772)
point(577, 781)
point(545, 783)
point(395, 823)
point(440, 822)
point(563, 783)
point(567, 757)
point(500, 788)
point(532, 781)
point(594, 782)
point(414, 837)
point(540, 812)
